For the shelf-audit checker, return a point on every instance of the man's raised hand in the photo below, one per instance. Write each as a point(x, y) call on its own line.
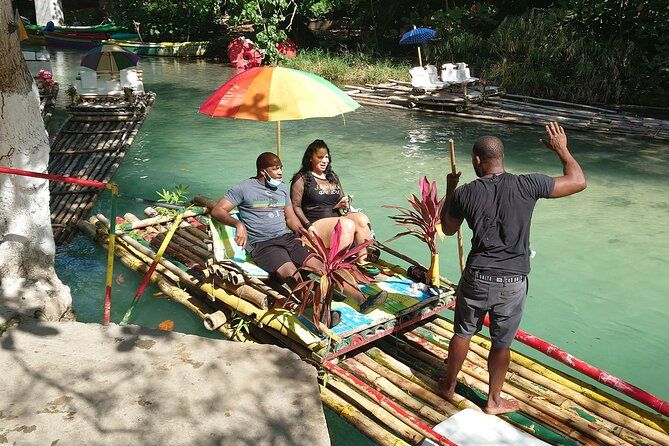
point(557, 138)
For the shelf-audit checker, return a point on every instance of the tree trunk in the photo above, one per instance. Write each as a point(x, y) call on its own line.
point(28, 281)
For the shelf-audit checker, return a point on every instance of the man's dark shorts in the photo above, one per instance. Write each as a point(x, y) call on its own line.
point(504, 301)
point(271, 254)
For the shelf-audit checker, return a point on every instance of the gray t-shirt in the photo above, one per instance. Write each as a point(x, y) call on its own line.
point(261, 209)
point(499, 212)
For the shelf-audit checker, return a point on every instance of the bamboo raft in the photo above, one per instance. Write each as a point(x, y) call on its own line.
point(487, 103)
point(388, 387)
point(90, 145)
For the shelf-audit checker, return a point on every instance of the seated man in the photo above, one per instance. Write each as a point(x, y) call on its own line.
point(265, 210)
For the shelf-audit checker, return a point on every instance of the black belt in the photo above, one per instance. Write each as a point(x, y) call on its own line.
point(498, 279)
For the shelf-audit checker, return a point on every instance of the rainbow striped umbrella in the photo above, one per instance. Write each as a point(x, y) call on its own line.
point(277, 94)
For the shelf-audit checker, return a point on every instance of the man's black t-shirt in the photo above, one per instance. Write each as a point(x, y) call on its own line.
point(499, 212)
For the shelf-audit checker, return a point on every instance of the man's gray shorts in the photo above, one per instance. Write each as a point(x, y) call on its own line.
point(504, 301)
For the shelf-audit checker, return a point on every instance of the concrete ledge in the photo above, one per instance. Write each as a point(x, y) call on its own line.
point(72, 383)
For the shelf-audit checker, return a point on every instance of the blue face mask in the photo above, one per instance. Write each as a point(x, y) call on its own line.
point(271, 182)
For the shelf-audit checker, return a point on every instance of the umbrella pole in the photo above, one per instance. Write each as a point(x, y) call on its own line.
point(420, 60)
point(278, 139)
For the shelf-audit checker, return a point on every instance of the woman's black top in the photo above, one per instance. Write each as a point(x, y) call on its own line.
point(314, 198)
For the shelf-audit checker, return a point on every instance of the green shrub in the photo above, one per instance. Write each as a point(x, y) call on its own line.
point(168, 21)
point(541, 54)
point(348, 68)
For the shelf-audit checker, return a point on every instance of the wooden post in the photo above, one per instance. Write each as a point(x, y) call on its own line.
point(278, 139)
point(460, 253)
point(110, 255)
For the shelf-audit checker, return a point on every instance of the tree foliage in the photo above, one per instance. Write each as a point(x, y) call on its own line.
point(182, 20)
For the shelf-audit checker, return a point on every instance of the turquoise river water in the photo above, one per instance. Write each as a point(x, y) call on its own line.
point(600, 277)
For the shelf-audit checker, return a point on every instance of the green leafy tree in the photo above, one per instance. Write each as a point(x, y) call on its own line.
point(181, 20)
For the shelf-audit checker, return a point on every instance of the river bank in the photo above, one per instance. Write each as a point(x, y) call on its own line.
point(76, 383)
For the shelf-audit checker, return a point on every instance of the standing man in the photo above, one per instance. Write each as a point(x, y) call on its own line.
point(498, 208)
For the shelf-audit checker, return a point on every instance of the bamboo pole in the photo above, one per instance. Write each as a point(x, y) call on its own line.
point(602, 405)
point(419, 410)
point(376, 411)
point(134, 261)
point(158, 220)
point(479, 365)
point(110, 255)
point(578, 386)
point(152, 268)
point(246, 287)
point(574, 421)
point(400, 368)
point(278, 319)
point(461, 255)
point(535, 426)
point(486, 114)
point(591, 371)
point(99, 167)
point(72, 205)
point(482, 388)
point(399, 389)
point(409, 418)
point(363, 423)
point(426, 395)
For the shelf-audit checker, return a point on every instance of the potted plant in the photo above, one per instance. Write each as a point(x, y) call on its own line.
point(421, 222)
point(337, 267)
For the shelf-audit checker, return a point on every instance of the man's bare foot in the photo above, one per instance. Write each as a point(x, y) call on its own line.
point(500, 407)
point(445, 390)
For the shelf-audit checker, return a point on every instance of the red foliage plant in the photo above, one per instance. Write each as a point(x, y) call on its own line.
point(336, 267)
point(421, 221)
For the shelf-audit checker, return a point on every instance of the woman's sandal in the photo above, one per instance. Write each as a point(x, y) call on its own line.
point(374, 301)
point(335, 318)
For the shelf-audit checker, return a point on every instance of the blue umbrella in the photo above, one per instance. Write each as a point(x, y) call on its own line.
point(418, 36)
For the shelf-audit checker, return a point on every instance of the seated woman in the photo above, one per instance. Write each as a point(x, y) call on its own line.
point(319, 201)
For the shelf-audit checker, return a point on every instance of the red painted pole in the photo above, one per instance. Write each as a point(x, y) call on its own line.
point(382, 398)
point(593, 372)
point(47, 176)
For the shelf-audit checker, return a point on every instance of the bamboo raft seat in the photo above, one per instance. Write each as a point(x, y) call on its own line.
point(90, 145)
point(408, 302)
point(491, 103)
point(387, 388)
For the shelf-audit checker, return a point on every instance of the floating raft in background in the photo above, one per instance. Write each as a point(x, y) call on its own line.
point(164, 49)
point(387, 388)
point(493, 105)
point(90, 145)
